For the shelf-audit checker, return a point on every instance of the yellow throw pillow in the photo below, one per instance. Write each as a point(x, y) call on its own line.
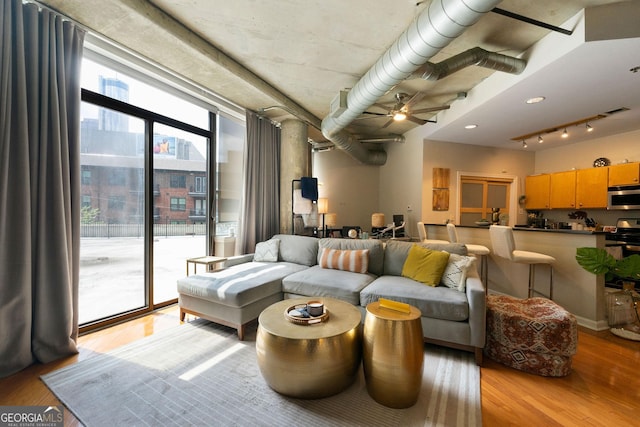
point(425, 265)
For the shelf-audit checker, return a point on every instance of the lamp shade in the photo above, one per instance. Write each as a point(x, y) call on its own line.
point(331, 220)
point(323, 205)
point(377, 220)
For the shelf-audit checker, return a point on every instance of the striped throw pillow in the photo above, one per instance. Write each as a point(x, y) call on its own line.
point(356, 261)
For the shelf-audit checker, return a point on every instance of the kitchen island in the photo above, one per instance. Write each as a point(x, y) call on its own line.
point(575, 289)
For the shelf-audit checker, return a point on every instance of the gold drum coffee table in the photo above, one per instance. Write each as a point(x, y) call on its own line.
point(393, 355)
point(309, 361)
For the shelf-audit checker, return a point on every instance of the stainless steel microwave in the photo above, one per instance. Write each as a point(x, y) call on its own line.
point(623, 197)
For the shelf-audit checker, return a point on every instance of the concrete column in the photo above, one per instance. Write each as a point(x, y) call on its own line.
point(295, 162)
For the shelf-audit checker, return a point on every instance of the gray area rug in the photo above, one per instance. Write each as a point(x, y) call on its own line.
point(199, 374)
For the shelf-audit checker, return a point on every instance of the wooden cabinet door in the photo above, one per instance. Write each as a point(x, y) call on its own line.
point(537, 191)
point(625, 174)
point(562, 192)
point(591, 188)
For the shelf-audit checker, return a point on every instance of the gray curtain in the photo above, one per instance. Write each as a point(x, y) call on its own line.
point(40, 57)
point(260, 218)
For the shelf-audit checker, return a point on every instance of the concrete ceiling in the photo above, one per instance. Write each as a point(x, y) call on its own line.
point(300, 54)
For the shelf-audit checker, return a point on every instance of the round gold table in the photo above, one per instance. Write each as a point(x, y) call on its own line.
point(393, 355)
point(309, 361)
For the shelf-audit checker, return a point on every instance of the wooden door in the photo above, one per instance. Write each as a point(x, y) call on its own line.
point(562, 192)
point(591, 188)
point(537, 191)
point(625, 174)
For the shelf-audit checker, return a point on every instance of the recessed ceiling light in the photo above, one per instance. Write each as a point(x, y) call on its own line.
point(535, 100)
point(471, 126)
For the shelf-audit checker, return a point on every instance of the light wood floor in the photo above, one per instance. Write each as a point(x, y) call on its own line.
point(603, 388)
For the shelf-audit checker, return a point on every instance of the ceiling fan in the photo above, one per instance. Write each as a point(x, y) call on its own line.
point(401, 109)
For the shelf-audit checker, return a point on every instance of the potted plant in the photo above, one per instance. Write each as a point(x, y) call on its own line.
point(599, 261)
point(622, 306)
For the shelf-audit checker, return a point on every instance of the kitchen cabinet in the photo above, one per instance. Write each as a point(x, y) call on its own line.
point(562, 193)
point(591, 188)
point(537, 191)
point(624, 174)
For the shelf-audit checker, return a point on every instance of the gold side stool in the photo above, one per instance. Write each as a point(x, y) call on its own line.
point(393, 353)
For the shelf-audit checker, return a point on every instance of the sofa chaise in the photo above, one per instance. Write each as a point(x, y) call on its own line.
point(290, 266)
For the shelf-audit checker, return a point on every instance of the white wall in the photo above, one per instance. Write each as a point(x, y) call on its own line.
point(352, 188)
point(401, 183)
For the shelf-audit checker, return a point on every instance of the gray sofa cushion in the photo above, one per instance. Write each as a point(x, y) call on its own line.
point(437, 302)
point(376, 250)
point(239, 285)
point(323, 282)
point(298, 249)
point(395, 253)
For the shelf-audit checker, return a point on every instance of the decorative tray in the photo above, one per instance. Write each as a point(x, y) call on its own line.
point(311, 320)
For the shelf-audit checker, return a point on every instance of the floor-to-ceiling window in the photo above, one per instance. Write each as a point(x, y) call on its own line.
point(150, 163)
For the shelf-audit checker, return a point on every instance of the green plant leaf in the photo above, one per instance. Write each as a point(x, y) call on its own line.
point(595, 260)
point(628, 267)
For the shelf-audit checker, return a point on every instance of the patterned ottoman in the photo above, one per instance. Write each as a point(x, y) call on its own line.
point(534, 335)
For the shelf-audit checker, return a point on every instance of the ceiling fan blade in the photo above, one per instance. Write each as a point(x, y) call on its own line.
point(388, 123)
point(383, 107)
point(416, 120)
point(414, 99)
point(430, 109)
point(368, 115)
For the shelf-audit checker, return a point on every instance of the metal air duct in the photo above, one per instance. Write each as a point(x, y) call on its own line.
point(430, 32)
point(474, 56)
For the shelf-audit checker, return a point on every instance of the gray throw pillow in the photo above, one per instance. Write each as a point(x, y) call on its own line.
point(267, 251)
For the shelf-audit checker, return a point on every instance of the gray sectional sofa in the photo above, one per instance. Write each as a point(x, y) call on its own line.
point(235, 295)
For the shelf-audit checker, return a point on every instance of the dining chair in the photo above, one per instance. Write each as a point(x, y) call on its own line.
point(504, 246)
point(422, 234)
point(475, 250)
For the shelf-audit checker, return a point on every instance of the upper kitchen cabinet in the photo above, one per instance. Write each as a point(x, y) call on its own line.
point(591, 188)
point(537, 191)
point(562, 193)
point(624, 174)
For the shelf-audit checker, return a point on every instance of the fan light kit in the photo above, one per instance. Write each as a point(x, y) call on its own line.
point(399, 115)
point(402, 109)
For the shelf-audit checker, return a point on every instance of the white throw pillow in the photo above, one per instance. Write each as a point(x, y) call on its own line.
point(455, 274)
point(267, 251)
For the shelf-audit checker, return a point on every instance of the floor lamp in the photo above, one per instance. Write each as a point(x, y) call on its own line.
point(323, 208)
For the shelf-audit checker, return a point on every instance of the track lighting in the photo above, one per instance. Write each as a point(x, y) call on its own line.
point(561, 127)
point(540, 140)
point(524, 144)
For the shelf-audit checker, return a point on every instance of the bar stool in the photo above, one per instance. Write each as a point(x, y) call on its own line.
point(475, 250)
point(422, 233)
point(504, 246)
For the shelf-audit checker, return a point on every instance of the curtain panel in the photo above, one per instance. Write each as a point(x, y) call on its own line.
point(40, 58)
point(260, 213)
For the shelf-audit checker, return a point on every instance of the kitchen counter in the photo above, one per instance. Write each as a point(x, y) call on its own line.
point(519, 228)
point(575, 289)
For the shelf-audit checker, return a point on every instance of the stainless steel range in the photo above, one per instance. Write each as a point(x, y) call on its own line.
point(627, 237)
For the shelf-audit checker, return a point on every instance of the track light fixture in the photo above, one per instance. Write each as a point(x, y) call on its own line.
point(562, 127)
point(540, 140)
point(524, 144)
